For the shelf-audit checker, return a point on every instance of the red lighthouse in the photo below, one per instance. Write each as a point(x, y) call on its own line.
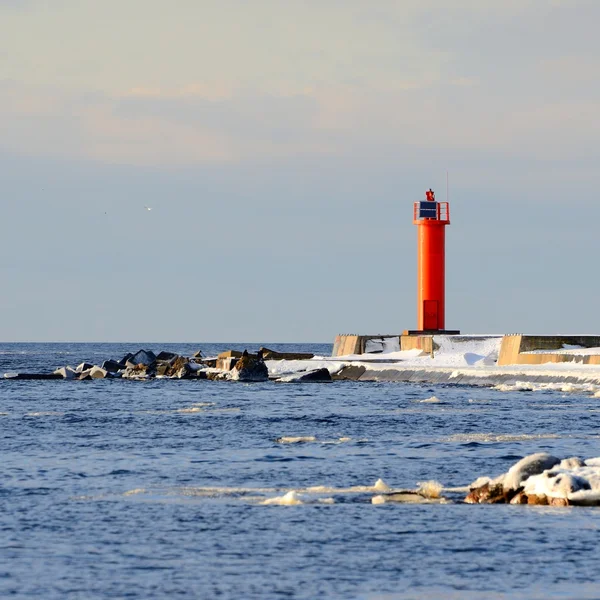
point(431, 218)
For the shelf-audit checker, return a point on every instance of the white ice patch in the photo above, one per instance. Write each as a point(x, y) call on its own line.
point(289, 439)
point(498, 437)
point(432, 400)
point(289, 499)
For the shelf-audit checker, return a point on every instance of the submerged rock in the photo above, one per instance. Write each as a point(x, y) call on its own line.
point(541, 479)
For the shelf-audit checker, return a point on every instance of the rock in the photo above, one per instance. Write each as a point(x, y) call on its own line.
point(84, 375)
point(124, 360)
point(537, 500)
point(227, 363)
point(557, 484)
point(66, 372)
point(197, 354)
point(316, 375)
point(534, 464)
point(139, 371)
point(162, 369)
point(144, 357)
point(249, 368)
point(166, 356)
point(98, 373)
point(349, 372)
point(488, 494)
point(571, 463)
point(112, 366)
point(519, 498)
point(217, 376)
point(559, 502)
point(83, 367)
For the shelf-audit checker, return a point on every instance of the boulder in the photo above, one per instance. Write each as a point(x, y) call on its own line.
point(144, 357)
point(84, 375)
point(249, 368)
point(66, 372)
point(124, 360)
point(98, 372)
point(166, 356)
point(83, 367)
point(217, 376)
point(489, 493)
point(112, 366)
point(197, 354)
point(316, 375)
point(534, 464)
point(139, 371)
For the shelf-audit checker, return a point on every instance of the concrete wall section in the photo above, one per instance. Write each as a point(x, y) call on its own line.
point(417, 342)
point(516, 349)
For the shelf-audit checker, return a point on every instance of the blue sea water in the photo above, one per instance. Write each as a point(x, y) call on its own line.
point(124, 489)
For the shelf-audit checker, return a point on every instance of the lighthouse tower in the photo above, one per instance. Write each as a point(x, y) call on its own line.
point(431, 218)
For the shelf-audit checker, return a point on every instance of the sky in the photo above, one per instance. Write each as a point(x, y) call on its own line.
point(280, 145)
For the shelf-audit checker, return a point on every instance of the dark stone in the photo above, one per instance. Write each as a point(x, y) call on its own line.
point(144, 357)
point(124, 360)
point(350, 372)
point(112, 366)
point(317, 375)
point(197, 354)
point(166, 356)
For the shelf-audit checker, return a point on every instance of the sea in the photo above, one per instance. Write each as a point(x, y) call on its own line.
point(200, 489)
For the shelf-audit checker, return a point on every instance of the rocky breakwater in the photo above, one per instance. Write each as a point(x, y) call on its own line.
point(231, 365)
point(542, 479)
point(143, 364)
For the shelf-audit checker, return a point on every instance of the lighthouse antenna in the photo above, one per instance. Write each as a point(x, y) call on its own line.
point(447, 188)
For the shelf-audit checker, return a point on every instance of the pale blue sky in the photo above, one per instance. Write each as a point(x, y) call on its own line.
point(280, 145)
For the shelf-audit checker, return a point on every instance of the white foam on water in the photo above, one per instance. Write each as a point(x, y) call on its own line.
point(499, 437)
point(48, 413)
point(519, 386)
point(134, 492)
point(289, 499)
point(530, 386)
point(432, 400)
point(190, 409)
